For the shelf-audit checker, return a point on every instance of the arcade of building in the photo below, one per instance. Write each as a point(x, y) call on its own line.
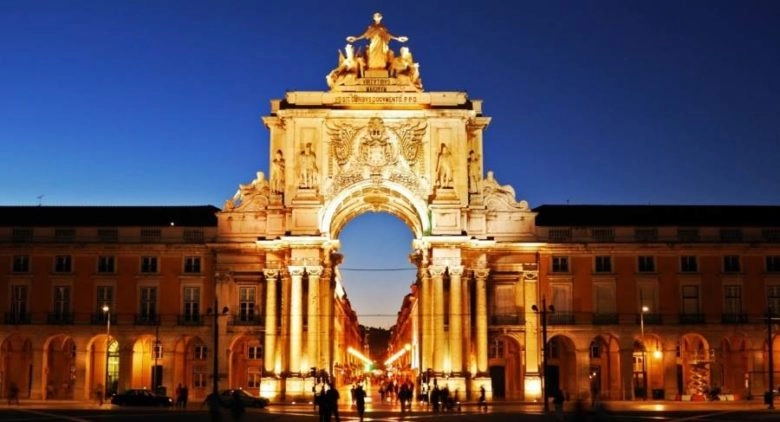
point(665, 302)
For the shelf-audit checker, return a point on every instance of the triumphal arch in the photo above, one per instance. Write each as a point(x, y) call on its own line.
point(375, 141)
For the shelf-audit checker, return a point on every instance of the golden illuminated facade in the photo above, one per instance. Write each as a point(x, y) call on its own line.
point(267, 266)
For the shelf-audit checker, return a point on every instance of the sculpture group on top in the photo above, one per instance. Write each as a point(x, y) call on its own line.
point(376, 61)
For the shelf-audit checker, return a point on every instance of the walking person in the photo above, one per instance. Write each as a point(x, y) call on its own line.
point(482, 400)
point(558, 400)
point(13, 394)
point(360, 401)
point(99, 394)
point(178, 396)
point(332, 397)
point(236, 406)
point(321, 400)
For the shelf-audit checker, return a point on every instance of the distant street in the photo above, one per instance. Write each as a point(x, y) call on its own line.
point(619, 411)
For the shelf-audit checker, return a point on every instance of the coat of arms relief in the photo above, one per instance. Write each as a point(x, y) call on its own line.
point(377, 152)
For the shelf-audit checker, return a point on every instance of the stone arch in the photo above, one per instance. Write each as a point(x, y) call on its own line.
point(17, 361)
point(730, 364)
point(506, 366)
point(192, 357)
point(59, 367)
point(143, 361)
point(694, 365)
point(367, 196)
point(647, 365)
point(561, 366)
point(102, 365)
point(245, 363)
point(604, 367)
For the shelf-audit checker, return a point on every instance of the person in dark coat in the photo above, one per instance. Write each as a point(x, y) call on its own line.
point(360, 401)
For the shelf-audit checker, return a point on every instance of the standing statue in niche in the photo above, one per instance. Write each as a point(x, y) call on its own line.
point(379, 38)
point(475, 173)
point(308, 175)
point(277, 172)
point(444, 168)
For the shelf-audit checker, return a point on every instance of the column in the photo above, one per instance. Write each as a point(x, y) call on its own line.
point(439, 337)
point(269, 359)
point(466, 322)
point(426, 322)
point(38, 387)
point(83, 386)
point(326, 320)
point(532, 337)
point(480, 276)
point(296, 318)
point(456, 319)
point(312, 332)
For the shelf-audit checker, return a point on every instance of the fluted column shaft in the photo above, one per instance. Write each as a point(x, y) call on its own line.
point(456, 319)
point(269, 347)
point(439, 336)
point(426, 320)
point(326, 320)
point(312, 334)
point(296, 317)
point(480, 275)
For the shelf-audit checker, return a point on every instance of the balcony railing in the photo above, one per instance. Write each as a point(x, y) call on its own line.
point(146, 319)
point(189, 319)
point(246, 320)
point(59, 318)
point(649, 319)
point(734, 318)
point(512, 319)
point(605, 319)
point(15, 318)
point(561, 318)
point(99, 318)
point(691, 319)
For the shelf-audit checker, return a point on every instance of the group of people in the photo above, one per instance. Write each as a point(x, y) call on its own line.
point(327, 400)
point(182, 395)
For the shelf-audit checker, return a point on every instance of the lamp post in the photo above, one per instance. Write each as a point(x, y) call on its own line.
point(215, 372)
point(644, 310)
point(543, 314)
point(770, 358)
point(107, 311)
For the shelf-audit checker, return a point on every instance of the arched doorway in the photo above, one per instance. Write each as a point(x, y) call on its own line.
point(246, 364)
point(694, 367)
point(17, 365)
point(506, 367)
point(731, 366)
point(147, 363)
point(604, 370)
point(104, 365)
point(60, 369)
point(561, 370)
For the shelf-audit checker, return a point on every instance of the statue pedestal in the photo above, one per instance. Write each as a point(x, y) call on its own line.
point(376, 73)
point(445, 212)
point(305, 207)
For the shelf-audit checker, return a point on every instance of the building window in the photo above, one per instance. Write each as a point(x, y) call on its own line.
point(192, 264)
point(104, 297)
point(151, 235)
point(604, 298)
point(201, 352)
point(106, 264)
point(559, 235)
point(19, 302)
point(193, 236)
point(191, 304)
point(246, 303)
point(773, 264)
point(21, 264)
point(689, 264)
point(253, 378)
point(496, 349)
point(639, 362)
point(690, 299)
point(595, 350)
point(560, 264)
point(731, 264)
point(148, 264)
point(646, 264)
point(148, 305)
point(603, 264)
point(21, 235)
point(733, 299)
point(730, 235)
point(61, 300)
point(254, 352)
point(603, 235)
point(688, 235)
point(770, 235)
point(64, 235)
point(773, 298)
point(62, 264)
point(646, 235)
point(199, 377)
point(108, 235)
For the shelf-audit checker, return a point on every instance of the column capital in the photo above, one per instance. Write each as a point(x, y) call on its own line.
point(455, 271)
point(481, 273)
point(296, 270)
point(437, 270)
point(270, 273)
point(531, 276)
point(314, 271)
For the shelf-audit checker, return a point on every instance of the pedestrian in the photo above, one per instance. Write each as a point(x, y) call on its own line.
point(214, 405)
point(322, 402)
point(558, 399)
point(482, 399)
point(360, 401)
point(236, 406)
point(178, 396)
point(99, 394)
point(185, 393)
point(13, 394)
point(333, 401)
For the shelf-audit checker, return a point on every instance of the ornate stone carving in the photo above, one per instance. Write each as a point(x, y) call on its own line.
point(500, 197)
point(475, 172)
point(379, 38)
point(252, 196)
point(308, 172)
point(436, 270)
point(277, 172)
point(342, 136)
point(444, 167)
point(410, 136)
point(375, 149)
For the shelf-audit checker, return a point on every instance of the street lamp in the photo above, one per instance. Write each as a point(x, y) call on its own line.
point(644, 309)
point(770, 395)
point(543, 314)
point(215, 372)
point(107, 311)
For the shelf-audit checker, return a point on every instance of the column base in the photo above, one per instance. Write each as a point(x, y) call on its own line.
point(299, 390)
point(532, 387)
point(271, 388)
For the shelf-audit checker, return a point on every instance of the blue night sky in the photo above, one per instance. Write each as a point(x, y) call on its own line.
point(151, 102)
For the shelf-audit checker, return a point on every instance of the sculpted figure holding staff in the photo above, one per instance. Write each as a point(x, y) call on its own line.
point(379, 38)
